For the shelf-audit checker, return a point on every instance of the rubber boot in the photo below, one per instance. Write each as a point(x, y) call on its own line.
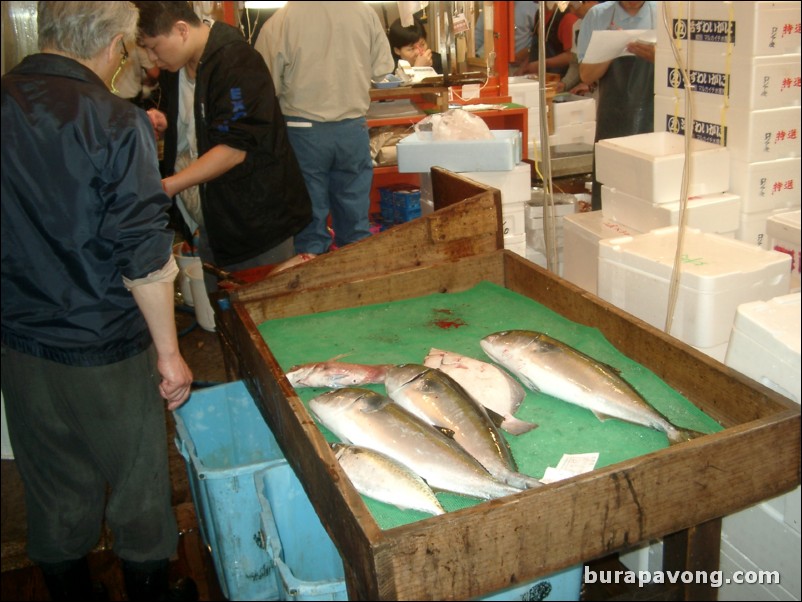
point(70, 580)
point(148, 581)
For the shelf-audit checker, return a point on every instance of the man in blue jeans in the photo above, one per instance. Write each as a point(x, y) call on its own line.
point(322, 56)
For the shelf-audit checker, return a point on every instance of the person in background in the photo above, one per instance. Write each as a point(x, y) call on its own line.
point(409, 44)
point(226, 133)
point(138, 78)
point(559, 41)
point(89, 345)
point(323, 56)
point(524, 24)
point(571, 82)
point(625, 103)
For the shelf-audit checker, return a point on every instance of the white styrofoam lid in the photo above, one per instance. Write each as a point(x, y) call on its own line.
point(785, 226)
point(660, 145)
point(711, 262)
point(773, 323)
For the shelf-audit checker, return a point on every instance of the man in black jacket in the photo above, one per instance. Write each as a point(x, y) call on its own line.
point(221, 108)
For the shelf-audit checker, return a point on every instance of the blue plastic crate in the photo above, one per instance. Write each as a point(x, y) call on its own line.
point(406, 205)
point(225, 441)
point(308, 565)
point(565, 585)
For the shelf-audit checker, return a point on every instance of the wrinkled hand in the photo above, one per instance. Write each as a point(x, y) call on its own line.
point(176, 380)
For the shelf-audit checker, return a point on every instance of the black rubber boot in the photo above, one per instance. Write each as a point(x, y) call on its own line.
point(148, 581)
point(70, 580)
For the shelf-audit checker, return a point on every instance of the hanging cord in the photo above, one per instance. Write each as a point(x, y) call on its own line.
point(673, 289)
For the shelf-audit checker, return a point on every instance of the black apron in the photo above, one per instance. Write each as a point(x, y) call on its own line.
point(625, 104)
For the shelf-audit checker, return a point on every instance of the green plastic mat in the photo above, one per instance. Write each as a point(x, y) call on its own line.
point(405, 331)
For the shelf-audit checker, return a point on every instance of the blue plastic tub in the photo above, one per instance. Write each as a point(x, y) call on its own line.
point(225, 442)
point(565, 585)
point(308, 565)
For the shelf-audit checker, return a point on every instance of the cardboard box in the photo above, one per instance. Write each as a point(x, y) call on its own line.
point(717, 275)
point(500, 154)
point(509, 541)
point(717, 213)
point(650, 166)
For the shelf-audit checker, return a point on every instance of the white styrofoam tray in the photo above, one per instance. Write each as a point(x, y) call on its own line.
point(503, 152)
point(650, 166)
point(717, 274)
point(717, 213)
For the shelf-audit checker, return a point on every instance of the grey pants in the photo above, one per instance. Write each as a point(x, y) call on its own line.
point(75, 430)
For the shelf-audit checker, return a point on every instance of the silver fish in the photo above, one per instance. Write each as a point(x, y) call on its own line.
point(378, 476)
point(548, 365)
point(364, 417)
point(439, 400)
point(487, 383)
point(334, 375)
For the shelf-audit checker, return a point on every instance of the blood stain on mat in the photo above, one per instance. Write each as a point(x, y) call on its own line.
point(441, 322)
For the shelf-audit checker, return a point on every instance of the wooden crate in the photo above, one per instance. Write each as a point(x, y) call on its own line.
point(678, 493)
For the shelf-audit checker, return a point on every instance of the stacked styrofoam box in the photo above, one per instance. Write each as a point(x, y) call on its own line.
point(716, 275)
point(536, 249)
point(526, 92)
point(581, 235)
point(574, 120)
point(765, 346)
point(743, 59)
point(783, 232)
point(515, 185)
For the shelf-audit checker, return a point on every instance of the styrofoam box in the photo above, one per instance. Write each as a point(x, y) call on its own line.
point(308, 565)
point(749, 136)
point(783, 232)
point(565, 585)
point(225, 442)
point(524, 91)
point(765, 344)
point(753, 226)
point(516, 244)
point(709, 213)
point(572, 108)
point(539, 258)
point(749, 29)
point(767, 185)
point(581, 235)
point(760, 83)
point(513, 217)
point(502, 153)
point(574, 133)
point(515, 184)
point(650, 166)
point(717, 275)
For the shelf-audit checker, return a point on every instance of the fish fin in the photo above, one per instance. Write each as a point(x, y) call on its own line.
point(602, 417)
point(337, 358)
point(514, 426)
point(494, 416)
point(446, 431)
point(679, 435)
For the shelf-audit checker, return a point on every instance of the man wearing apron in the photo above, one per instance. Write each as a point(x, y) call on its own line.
point(625, 104)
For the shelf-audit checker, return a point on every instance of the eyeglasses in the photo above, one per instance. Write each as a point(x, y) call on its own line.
point(123, 60)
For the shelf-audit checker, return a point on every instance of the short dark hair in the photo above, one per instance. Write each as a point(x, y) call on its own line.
point(401, 36)
point(158, 18)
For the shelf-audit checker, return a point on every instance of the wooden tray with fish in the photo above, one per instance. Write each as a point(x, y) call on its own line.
point(677, 492)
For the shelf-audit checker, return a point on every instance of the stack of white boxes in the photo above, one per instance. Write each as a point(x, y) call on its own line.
point(743, 59)
point(573, 118)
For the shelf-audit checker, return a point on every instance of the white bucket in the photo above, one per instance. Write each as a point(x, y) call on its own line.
point(184, 261)
point(203, 308)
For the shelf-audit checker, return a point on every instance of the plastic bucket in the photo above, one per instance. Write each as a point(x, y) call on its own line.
point(184, 261)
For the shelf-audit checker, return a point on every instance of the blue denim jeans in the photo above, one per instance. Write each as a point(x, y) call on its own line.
point(335, 160)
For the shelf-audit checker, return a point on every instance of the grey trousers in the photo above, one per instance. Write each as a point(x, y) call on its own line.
point(75, 430)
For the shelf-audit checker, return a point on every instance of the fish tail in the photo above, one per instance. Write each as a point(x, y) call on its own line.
point(522, 481)
point(514, 426)
point(679, 435)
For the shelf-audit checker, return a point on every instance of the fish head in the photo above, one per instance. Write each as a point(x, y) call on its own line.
point(336, 402)
point(401, 374)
